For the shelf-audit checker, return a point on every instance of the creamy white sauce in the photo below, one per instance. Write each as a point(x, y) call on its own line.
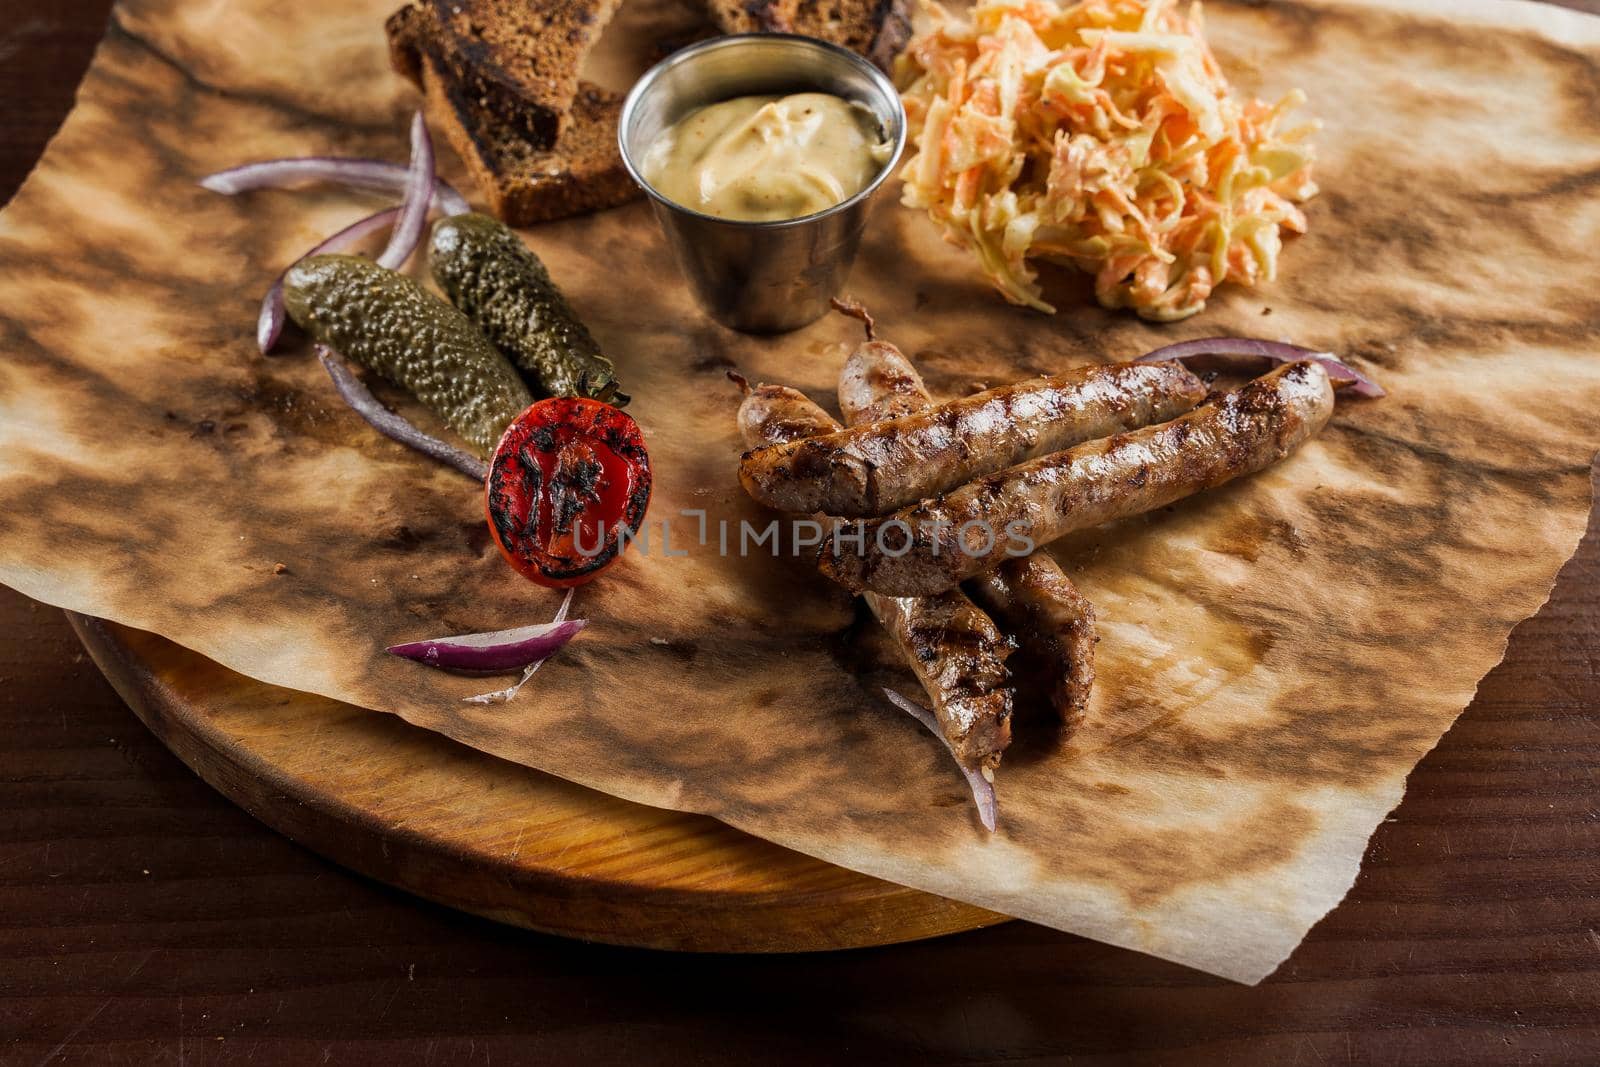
point(767, 158)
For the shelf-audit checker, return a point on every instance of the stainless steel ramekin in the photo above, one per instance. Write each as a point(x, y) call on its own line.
point(760, 277)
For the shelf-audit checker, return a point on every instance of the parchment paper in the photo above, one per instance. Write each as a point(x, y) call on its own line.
point(1276, 656)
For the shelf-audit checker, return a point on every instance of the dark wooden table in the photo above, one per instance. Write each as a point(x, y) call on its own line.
point(145, 919)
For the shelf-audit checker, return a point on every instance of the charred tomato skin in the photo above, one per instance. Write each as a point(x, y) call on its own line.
point(568, 476)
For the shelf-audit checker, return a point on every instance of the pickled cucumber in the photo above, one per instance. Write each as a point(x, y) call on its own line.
point(390, 324)
point(487, 272)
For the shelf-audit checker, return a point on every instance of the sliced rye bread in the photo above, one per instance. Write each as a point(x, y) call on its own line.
point(878, 29)
point(523, 183)
point(407, 30)
point(518, 59)
point(753, 16)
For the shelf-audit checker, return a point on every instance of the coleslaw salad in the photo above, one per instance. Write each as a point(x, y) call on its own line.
point(1102, 134)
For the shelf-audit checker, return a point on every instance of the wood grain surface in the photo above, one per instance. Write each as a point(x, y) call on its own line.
point(447, 822)
point(146, 919)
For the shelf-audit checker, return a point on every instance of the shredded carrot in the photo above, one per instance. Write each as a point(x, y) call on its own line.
point(1102, 134)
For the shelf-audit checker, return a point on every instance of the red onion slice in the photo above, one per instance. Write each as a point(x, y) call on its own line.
point(414, 208)
point(495, 652)
point(1227, 352)
point(375, 174)
point(393, 426)
point(500, 696)
point(982, 786)
point(269, 325)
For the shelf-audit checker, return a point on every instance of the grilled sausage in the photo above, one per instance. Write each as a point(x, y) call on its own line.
point(959, 655)
point(929, 548)
point(955, 650)
point(1031, 597)
point(874, 469)
point(878, 383)
point(777, 413)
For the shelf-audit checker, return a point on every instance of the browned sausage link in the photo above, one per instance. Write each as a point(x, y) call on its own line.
point(878, 382)
point(776, 413)
point(1032, 597)
point(928, 548)
point(958, 654)
point(876, 468)
point(955, 650)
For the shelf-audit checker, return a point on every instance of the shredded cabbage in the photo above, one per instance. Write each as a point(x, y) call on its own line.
point(1104, 135)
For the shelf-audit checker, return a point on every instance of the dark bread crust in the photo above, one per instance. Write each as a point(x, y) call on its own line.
point(753, 16)
point(407, 33)
point(518, 60)
point(877, 29)
point(523, 183)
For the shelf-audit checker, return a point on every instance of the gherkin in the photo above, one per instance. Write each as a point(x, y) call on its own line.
point(487, 272)
point(388, 323)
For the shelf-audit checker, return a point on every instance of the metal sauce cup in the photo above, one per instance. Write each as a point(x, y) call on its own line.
point(760, 277)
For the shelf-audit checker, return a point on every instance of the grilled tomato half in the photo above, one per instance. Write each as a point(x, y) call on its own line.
point(568, 486)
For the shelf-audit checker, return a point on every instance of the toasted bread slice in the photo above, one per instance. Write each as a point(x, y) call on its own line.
point(878, 29)
point(518, 60)
point(407, 30)
point(523, 183)
point(753, 16)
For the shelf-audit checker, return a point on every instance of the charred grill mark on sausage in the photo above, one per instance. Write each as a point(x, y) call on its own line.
point(879, 466)
point(1127, 474)
point(1032, 598)
point(954, 649)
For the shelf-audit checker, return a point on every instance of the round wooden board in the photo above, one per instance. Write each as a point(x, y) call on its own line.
point(497, 839)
